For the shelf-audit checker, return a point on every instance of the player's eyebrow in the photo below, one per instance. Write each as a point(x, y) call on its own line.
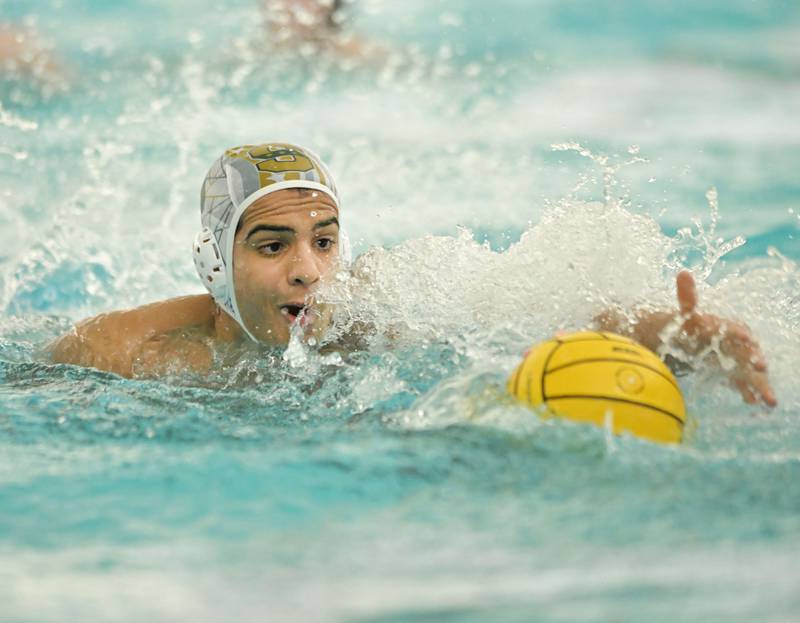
point(283, 229)
point(274, 228)
point(331, 221)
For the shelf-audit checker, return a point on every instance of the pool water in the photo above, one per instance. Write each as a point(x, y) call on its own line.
point(508, 170)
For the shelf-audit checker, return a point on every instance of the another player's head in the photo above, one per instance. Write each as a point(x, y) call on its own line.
point(271, 233)
point(303, 19)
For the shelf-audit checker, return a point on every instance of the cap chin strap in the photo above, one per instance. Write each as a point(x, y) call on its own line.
point(211, 262)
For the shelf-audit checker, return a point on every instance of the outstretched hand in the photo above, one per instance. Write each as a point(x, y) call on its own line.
point(731, 339)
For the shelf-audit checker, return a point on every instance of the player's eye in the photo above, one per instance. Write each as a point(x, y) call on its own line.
point(325, 243)
point(271, 248)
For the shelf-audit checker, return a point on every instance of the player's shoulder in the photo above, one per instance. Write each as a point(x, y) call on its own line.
point(179, 351)
point(98, 342)
point(167, 337)
point(113, 342)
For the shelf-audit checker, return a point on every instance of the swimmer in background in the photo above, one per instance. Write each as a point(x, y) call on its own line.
point(272, 233)
point(312, 27)
point(22, 52)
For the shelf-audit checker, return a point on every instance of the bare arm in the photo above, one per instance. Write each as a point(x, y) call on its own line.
point(112, 342)
point(695, 333)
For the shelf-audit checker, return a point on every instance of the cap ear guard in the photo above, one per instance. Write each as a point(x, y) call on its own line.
point(211, 268)
point(209, 264)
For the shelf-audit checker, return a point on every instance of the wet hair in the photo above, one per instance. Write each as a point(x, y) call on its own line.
point(336, 14)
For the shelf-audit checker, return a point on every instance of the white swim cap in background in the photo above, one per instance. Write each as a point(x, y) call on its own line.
point(235, 181)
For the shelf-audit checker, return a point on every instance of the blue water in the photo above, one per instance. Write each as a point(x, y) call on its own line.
point(400, 484)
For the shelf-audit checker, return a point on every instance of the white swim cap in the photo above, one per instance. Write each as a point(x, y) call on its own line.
point(235, 181)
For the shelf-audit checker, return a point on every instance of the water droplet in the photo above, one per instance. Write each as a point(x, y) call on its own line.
point(472, 70)
point(451, 19)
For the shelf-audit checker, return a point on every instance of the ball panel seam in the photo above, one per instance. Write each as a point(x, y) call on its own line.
point(616, 399)
point(612, 360)
point(544, 367)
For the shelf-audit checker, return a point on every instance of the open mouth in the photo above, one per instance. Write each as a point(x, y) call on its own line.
point(293, 311)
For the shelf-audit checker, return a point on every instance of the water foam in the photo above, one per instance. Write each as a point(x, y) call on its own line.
point(581, 259)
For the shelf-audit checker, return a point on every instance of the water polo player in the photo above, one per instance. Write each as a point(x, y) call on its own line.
point(311, 27)
point(271, 234)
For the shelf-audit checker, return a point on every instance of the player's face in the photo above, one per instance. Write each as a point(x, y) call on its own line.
point(286, 244)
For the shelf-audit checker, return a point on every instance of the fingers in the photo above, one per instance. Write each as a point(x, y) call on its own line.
point(749, 375)
point(749, 371)
point(740, 344)
point(751, 364)
point(755, 389)
point(744, 389)
point(687, 292)
point(765, 391)
point(760, 386)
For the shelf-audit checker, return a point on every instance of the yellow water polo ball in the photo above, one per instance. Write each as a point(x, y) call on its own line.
point(605, 379)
